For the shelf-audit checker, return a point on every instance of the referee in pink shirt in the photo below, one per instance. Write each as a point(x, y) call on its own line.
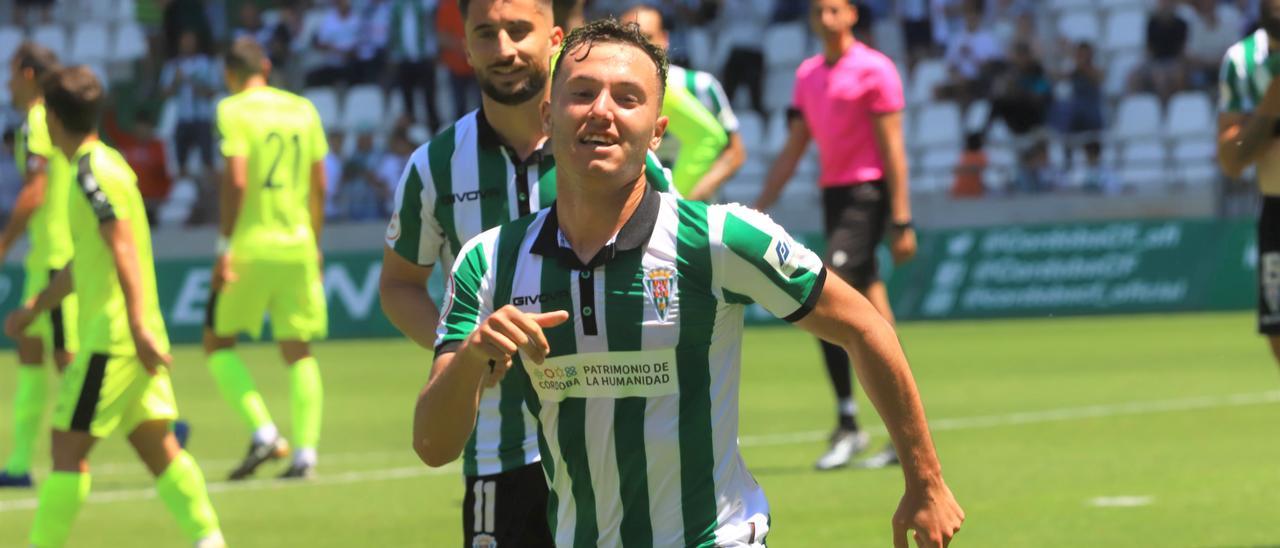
point(849, 99)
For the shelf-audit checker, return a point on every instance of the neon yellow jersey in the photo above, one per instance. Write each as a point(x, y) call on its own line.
point(108, 192)
point(281, 136)
point(701, 136)
point(47, 229)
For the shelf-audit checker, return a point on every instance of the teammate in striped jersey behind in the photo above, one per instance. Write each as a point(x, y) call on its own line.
point(619, 311)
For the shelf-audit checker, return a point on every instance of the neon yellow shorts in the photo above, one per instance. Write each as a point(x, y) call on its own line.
point(57, 327)
point(102, 393)
point(289, 293)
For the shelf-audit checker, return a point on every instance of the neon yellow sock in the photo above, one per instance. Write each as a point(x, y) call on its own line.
point(307, 396)
point(28, 409)
point(236, 386)
point(183, 491)
point(61, 495)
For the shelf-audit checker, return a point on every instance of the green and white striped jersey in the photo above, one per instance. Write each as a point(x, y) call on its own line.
point(638, 401)
point(461, 183)
point(1246, 72)
point(709, 92)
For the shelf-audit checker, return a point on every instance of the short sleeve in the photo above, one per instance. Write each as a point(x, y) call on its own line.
point(234, 141)
point(466, 299)
point(413, 232)
point(886, 95)
point(107, 196)
point(1230, 100)
point(797, 92)
point(759, 262)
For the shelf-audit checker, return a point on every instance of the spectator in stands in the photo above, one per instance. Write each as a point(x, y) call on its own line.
point(1213, 27)
point(181, 16)
point(947, 17)
point(362, 196)
point(1165, 70)
point(1035, 173)
point(413, 49)
point(391, 165)
point(333, 172)
point(453, 54)
point(1080, 110)
point(969, 170)
point(1022, 94)
point(22, 11)
point(1096, 177)
point(971, 51)
point(274, 39)
point(145, 154)
point(371, 48)
point(917, 29)
point(191, 80)
point(741, 25)
point(337, 36)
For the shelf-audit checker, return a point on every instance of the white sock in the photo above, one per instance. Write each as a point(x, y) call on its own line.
point(212, 541)
point(847, 407)
point(305, 456)
point(266, 434)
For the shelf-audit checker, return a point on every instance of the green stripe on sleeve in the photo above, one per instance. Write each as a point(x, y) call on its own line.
point(752, 245)
point(440, 158)
point(1250, 69)
point(463, 309)
point(511, 430)
point(625, 295)
point(492, 171)
point(1231, 97)
point(410, 216)
point(697, 322)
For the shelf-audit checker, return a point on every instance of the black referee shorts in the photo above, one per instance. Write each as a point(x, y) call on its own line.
point(855, 217)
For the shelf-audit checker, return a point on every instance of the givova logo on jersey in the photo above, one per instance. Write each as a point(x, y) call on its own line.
point(660, 285)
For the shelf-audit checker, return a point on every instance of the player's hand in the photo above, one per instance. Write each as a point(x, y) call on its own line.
point(506, 332)
point(149, 350)
point(18, 321)
point(932, 512)
point(903, 246)
point(222, 272)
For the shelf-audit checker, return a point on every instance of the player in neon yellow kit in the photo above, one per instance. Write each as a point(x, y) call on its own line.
point(120, 379)
point(269, 262)
point(41, 212)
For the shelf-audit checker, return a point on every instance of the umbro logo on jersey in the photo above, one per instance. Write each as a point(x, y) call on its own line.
point(779, 255)
point(472, 196)
point(544, 298)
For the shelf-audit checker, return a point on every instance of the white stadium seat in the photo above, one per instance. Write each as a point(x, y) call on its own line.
point(787, 45)
point(776, 133)
point(10, 38)
point(326, 103)
point(937, 124)
point(1144, 154)
point(1190, 113)
point(927, 75)
point(751, 129)
point(130, 42)
point(1196, 150)
point(1080, 26)
point(89, 43)
point(700, 47)
point(975, 117)
point(1138, 117)
point(126, 10)
point(1126, 30)
point(53, 37)
point(779, 88)
point(96, 10)
point(1118, 71)
point(364, 108)
point(1062, 5)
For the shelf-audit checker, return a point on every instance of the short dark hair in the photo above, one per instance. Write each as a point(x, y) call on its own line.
point(611, 31)
point(39, 59)
point(75, 96)
point(463, 5)
point(244, 57)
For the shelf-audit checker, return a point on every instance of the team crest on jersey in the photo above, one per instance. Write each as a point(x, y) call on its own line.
point(660, 285)
point(393, 228)
point(484, 540)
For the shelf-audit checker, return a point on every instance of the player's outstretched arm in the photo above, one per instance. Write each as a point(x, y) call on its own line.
point(785, 164)
point(30, 198)
point(119, 238)
point(846, 318)
point(446, 410)
point(402, 288)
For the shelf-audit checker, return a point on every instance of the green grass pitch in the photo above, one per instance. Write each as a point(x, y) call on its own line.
point(1118, 431)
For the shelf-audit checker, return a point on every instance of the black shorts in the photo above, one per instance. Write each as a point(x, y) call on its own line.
point(507, 509)
point(1269, 267)
point(854, 217)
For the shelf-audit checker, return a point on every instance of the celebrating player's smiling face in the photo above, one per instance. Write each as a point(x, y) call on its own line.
point(831, 18)
point(603, 117)
point(509, 43)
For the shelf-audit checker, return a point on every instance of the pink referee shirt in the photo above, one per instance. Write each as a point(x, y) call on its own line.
point(839, 104)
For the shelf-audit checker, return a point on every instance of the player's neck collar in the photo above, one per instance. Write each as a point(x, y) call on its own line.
point(487, 137)
point(634, 234)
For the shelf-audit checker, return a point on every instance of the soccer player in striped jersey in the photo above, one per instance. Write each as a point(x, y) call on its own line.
point(1248, 124)
point(40, 212)
point(120, 379)
point(269, 257)
point(488, 168)
point(708, 90)
point(620, 312)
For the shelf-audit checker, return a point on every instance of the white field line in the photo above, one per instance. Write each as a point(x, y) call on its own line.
point(964, 423)
point(1128, 501)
